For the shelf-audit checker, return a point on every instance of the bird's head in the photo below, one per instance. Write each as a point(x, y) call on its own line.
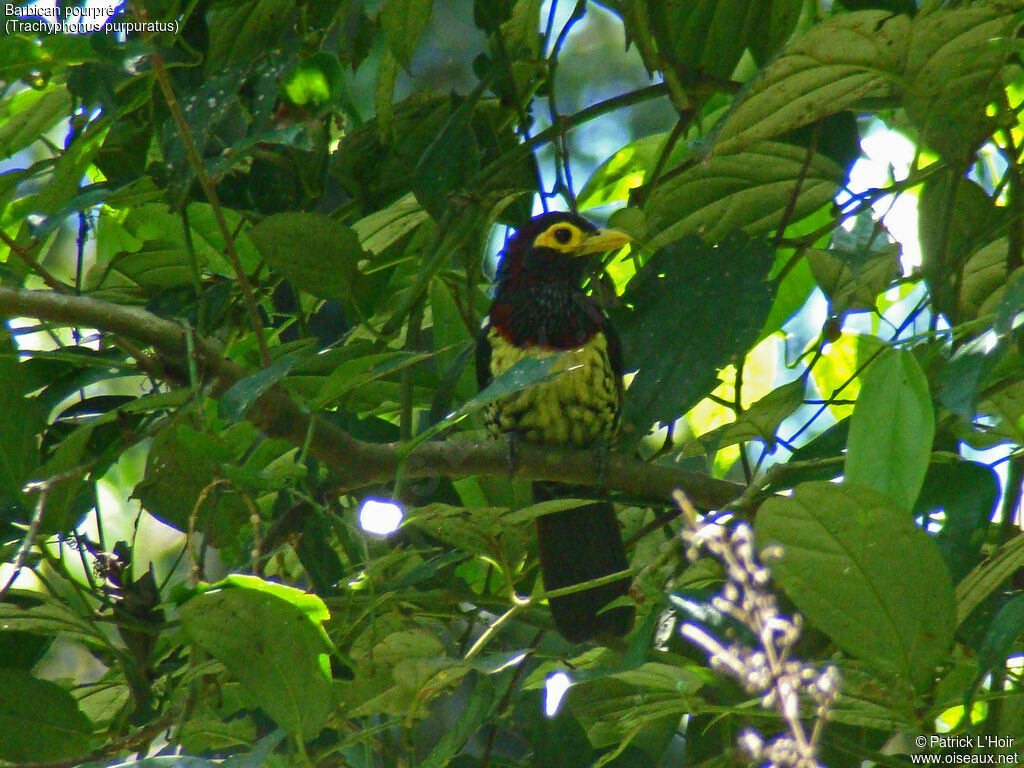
point(553, 246)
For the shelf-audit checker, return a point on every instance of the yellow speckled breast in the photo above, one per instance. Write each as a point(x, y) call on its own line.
point(578, 407)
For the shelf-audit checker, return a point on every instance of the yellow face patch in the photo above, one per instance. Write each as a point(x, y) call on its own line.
point(571, 240)
point(560, 237)
point(580, 406)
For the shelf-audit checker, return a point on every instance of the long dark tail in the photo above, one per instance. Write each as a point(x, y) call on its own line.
point(577, 545)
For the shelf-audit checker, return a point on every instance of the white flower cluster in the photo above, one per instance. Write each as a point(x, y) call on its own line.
point(766, 671)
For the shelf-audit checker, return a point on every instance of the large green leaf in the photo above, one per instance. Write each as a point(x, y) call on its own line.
point(318, 254)
point(244, 29)
point(859, 569)
point(711, 35)
point(181, 489)
point(751, 190)
point(448, 163)
point(833, 67)
point(271, 647)
point(891, 429)
point(40, 722)
point(952, 74)
point(685, 290)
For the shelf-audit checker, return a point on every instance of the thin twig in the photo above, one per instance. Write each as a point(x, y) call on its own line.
point(43, 487)
point(25, 254)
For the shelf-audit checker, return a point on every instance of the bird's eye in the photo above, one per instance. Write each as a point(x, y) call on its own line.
point(563, 235)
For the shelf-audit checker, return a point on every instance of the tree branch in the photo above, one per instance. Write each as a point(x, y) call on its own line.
point(356, 464)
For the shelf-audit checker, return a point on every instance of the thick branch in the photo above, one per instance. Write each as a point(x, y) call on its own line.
point(354, 463)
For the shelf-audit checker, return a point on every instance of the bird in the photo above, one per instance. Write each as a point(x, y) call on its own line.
point(540, 309)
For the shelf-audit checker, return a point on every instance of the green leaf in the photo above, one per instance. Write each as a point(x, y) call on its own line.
point(891, 429)
point(448, 163)
point(846, 563)
point(625, 170)
point(245, 29)
point(244, 392)
point(762, 419)
point(664, 334)
point(39, 721)
point(318, 254)
point(952, 72)
point(314, 82)
point(711, 35)
point(311, 605)
point(20, 421)
point(69, 169)
point(180, 469)
point(1003, 632)
point(382, 229)
point(751, 190)
point(525, 373)
point(852, 280)
point(50, 618)
point(451, 338)
point(473, 715)
point(835, 66)
point(403, 22)
point(988, 576)
point(966, 494)
point(352, 374)
point(29, 115)
point(142, 272)
point(957, 219)
point(271, 648)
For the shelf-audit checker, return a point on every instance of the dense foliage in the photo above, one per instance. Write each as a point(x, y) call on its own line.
point(245, 252)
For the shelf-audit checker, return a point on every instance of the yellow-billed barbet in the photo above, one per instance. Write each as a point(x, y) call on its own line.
point(539, 309)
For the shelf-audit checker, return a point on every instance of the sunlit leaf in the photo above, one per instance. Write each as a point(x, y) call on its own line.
point(852, 581)
point(891, 429)
point(751, 190)
point(29, 115)
point(761, 420)
point(953, 61)
point(271, 648)
point(835, 65)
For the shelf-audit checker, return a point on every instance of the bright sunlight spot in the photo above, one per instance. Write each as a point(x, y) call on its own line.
point(888, 155)
point(555, 688)
point(380, 517)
